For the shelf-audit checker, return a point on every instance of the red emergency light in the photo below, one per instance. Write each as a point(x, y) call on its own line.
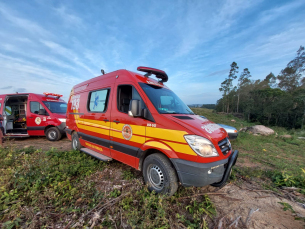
point(158, 73)
point(52, 94)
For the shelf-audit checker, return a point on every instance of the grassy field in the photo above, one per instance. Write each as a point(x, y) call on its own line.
point(65, 189)
point(281, 159)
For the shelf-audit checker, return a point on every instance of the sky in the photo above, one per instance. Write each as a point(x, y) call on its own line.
point(49, 46)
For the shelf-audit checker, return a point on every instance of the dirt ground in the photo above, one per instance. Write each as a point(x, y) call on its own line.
point(239, 205)
point(39, 143)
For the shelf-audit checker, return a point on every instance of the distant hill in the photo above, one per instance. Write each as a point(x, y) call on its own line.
point(208, 106)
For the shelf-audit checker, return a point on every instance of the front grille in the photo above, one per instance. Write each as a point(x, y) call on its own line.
point(225, 146)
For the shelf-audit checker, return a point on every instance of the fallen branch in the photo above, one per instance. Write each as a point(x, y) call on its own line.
point(250, 215)
point(220, 223)
point(262, 196)
point(103, 207)
point(201, 194)
point(291, 188)
point(235, 223)
point(230, 198)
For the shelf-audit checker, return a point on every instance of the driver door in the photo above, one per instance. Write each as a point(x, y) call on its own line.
point(127, 134)
point(36, 118)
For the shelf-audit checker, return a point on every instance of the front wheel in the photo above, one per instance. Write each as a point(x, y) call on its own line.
point(159, 174)
point(53, 134)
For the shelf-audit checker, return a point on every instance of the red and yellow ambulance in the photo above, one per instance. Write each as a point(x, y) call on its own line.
point(29, 114)
point(139, 121)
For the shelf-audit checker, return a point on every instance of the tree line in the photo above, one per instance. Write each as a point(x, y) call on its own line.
point(275, 100)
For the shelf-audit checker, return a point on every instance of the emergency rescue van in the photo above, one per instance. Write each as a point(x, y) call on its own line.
point(29, 114)
point(139, 121)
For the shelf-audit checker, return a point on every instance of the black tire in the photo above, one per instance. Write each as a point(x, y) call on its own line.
point(159, 174)
point(53, 134)
point(75, 144)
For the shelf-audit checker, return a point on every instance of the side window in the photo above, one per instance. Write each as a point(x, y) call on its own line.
point(136, 95)
point(125, 94)
point(98, 100)
point(35, 107)
point(8, 110)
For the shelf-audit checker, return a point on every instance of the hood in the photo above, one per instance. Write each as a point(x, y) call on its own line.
point(199, 125)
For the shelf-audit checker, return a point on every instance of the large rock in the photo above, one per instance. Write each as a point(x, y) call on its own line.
point(258, 129)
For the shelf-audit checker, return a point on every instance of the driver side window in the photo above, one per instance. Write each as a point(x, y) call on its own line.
point(125, 94)
point(36, 107)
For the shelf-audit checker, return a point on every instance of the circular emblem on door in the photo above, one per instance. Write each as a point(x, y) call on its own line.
point(37, 120)
point(127, 132)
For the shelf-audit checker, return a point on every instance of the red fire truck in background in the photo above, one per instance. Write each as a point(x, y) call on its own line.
point(29, 114)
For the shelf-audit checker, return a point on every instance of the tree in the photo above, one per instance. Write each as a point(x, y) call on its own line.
point(290, 78)
point(227, 85)
point(269, 81)
point(242, 81)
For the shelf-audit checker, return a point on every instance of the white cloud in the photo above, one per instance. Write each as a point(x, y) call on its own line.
point(27, 25)
point(69, 19)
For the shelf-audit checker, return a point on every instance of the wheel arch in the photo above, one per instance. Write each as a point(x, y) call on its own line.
point(155, 147)
point(48, 127)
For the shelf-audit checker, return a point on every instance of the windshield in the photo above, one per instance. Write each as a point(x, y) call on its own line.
point(164, 100)
point(56, 107)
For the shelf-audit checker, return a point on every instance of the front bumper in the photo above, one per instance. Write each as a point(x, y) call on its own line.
point(62, 128)
point(203, 174)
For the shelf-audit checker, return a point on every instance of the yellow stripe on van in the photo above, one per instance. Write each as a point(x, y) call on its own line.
point(94, 129)
point(181, 148)
point(92, 124)
point(157, 145)
point(134, 138)
point(136, 129)
point(166, 134)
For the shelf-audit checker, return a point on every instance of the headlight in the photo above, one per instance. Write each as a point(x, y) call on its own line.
point(62, 119)
point(202, 146)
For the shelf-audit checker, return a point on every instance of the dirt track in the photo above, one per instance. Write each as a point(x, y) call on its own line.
point(39, 143)
point(236, 202)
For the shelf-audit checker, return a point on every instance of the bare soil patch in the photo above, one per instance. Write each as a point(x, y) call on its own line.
point(39, 143)
point(267, 211)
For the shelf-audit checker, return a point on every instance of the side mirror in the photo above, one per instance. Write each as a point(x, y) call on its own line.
point(134, 108)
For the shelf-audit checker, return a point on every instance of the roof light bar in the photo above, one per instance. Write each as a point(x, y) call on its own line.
point(158, 73)
point(52, 94)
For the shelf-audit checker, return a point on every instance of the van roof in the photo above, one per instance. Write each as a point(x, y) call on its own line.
point(38, 96)
point(133, 76)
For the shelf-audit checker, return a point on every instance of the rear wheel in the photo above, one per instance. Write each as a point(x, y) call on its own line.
point(53, 134)
point(159, 174)
point(75, 142)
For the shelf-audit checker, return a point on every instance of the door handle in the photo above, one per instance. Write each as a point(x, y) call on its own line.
point(106, 120)
point(116, 121)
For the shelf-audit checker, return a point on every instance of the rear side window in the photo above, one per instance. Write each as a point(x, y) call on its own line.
point(98, 100)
